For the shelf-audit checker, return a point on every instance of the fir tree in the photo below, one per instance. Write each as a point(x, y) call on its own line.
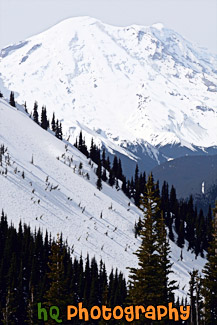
point(111, 178)
point(150, 283)
point(44, 120)
point(35, 113)
point(58, 132)
point(53, 123)
point(25, 107)
point(99, 176)
point(12, 100)
point(167, 287)
point(115, 166)
point(145, 279)
point(195, 297)
point(56, 294)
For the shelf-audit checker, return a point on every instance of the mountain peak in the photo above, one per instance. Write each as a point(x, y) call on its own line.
point(133, 83)
point(158, 26)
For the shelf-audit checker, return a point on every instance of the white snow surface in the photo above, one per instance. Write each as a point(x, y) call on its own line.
point(74, 204)
point(136, 84)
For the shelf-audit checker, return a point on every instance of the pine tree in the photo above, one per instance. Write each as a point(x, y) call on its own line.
point(145, 279)
point(9, 312)
point(44, 120)
point(12, 100)
point(115, 166)
point(149, 284)
point(53, 123)
point(35, 113)
point(163, 249)
point(195, 297)
point(58, 132)
point(25, 107)
point(56, 294)
point(210, 277)
point(99, 176)
point(111, 178)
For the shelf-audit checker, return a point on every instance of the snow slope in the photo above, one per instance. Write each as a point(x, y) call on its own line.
point(52, 195)
point(126, 85)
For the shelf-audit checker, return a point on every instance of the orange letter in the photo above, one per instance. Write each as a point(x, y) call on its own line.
point(159, 313)
point(69, 314)
point(187, 312)
point(137, 309)
point(150, 314)
point(121, 312)
point(173, 311)
point(104, 311)
point(129, 313)
point(92, 312)
point(81, 311)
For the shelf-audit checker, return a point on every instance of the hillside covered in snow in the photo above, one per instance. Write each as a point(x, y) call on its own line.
point(144, 92)
point(42, 185)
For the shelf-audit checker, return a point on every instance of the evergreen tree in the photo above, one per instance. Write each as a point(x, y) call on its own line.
point(99, 176)
point(12, 100)
point(167, 286)
point(115, 167)
point(149, 284)
point(111, 178)
point(196, 302)
point(145, 279)
point(44, 120)
point(53, 123)
point(210, 277)
point(56, 294)
point(9, 312)
point(25, 106)
point(35, 113)
point(58, 132)
point(103, 158)
point(137, 190)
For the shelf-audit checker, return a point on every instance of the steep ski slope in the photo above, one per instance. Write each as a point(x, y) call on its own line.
point(126, 85)
point(54, 197)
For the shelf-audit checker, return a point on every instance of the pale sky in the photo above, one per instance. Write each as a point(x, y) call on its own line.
point(196, 20)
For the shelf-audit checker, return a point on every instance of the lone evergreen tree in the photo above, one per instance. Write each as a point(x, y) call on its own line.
point(12, 100)
point(99, 176)
point(35, 113)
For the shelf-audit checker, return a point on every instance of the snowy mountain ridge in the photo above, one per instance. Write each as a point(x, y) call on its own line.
point(127, 86)
point(41, 184)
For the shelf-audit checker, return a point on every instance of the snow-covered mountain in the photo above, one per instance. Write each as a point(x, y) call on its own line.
point(41, 184)
point(144, 92)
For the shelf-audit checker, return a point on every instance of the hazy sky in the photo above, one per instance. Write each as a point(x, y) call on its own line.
point(196, 20)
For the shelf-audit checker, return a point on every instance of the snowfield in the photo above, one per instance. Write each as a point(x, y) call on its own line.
point(52, 194)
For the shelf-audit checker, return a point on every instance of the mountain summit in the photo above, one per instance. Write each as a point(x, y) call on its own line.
point(136, 89)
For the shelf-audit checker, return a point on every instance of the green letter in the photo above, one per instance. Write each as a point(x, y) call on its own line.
point(56, 314)
point(40, 311)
